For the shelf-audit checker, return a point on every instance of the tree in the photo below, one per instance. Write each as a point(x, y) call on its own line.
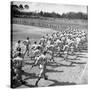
point(14, 7)
point(21, 7)
point(41, 13)
point(14, 10)
point(26, 6)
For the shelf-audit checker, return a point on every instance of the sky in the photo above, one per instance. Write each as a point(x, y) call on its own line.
point(57, 8)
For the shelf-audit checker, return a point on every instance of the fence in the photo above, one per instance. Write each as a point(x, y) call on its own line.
point(56, 25)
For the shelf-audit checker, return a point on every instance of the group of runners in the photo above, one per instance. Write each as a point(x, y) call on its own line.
point(58, 44)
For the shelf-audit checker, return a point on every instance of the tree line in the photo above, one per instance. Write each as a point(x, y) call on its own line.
point(18, 11)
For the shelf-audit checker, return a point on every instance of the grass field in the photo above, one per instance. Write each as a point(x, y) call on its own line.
point(71, 72)
point(20, 32)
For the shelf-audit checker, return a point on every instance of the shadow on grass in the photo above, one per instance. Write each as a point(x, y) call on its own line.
point(73, 59)
point(34, 76)
point(28, 74)
point(31, 86)
point(26, 85)
point(56, 83)
point(78, 63)
point(81, 56)
point(51, 70)
point(60, 65)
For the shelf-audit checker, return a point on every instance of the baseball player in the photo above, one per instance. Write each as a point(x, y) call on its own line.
point(27, 43)
point(41, 61)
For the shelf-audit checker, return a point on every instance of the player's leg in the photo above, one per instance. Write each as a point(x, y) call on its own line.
point(40, 76)
point(25, 52)
point(44, 73)
point(20, 73)
point(65, 55)
point(53, 56)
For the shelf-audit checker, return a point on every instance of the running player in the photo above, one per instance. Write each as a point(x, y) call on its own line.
point(27, 44)
point(42, 61)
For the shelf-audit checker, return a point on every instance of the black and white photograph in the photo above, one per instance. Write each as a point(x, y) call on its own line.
point(49, 44)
